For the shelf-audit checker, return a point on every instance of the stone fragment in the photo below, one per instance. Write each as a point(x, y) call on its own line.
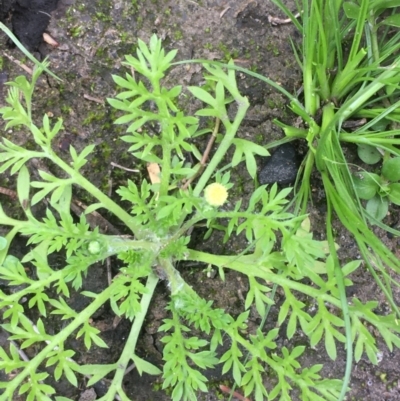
point(281, 167)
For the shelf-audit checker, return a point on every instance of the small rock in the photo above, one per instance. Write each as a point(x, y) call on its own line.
point(281, 167)
point(88, 395)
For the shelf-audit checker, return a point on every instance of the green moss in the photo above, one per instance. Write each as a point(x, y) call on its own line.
point(94, 115)
point(105, 149)
point(65, 109)
point(61, 88)
point(69, 14)
point(119, 174)
point(103, 17)
point(238, 189)
point(259, 138)
point(157, 386)
point(273, 48)
point(383, 377)
point(69, 76)
point(178, 35)
point(76, 31)
point(123, 36)
point(228, 54)
point(100, 52)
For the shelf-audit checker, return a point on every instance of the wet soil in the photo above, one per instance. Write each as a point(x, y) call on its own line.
point(93, 38)
point(29, 19)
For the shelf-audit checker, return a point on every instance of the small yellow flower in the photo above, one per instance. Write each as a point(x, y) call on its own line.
point(215, 194)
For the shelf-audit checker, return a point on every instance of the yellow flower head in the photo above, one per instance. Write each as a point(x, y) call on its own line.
point(215, 194)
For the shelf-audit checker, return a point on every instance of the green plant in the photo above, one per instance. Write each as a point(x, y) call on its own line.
point(25, 51)
point(159, 220)
point(339, 87)
point(378, 190)
point(350, 65)
point(357, 88)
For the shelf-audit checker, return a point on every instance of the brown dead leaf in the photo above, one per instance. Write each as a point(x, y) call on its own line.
point(154, 173)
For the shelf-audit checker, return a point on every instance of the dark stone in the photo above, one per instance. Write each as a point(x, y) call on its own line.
point(29, 19)
point(5, 7)
point(281, 167)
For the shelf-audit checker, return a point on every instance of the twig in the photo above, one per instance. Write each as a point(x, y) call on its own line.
point(20, 351)
point(94, 218)
point(129, 368)
point(23, 66)
point(9, 192)
point(224, 11)
point(93, 99)
point(110, 183)
point(279, 21)
point(109, 275)
point(124, 168)
point(205, 155)
point(233, 393)
point(43, 12)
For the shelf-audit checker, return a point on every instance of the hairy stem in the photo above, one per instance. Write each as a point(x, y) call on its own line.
point(130, 345)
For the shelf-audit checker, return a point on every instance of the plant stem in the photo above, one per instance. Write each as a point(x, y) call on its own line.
point(362, 96)
point(109, 204)
point(117, 244)
point(175, 282)
point(130, 345)
point(59, 338)
point(343, 300)
point(36, 286)
point(224, 145)
point(167, 133)
point(304, 194)
point(165, 169)
point(374, 35)
point(243, 265)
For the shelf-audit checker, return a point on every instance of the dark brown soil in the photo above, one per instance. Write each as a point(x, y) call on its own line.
point(93, 38)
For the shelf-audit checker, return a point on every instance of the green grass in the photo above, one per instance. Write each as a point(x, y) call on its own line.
point(341, 85)
point(347, 85)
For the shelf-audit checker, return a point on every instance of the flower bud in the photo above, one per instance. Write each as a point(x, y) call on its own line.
point(94, 247)
point(215, 194)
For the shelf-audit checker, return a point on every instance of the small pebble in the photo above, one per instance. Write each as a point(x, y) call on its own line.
point(88, 395)
point(281, 167)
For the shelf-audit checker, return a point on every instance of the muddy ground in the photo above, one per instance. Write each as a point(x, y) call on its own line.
point(93, 38)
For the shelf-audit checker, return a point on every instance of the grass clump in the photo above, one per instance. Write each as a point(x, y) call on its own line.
point(159, 220)
point(340, 88)
point(350, 96)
